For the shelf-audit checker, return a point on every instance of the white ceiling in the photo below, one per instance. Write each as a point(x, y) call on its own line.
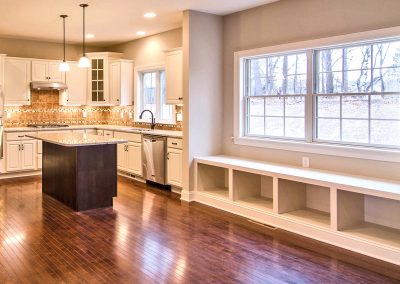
point(111, 21)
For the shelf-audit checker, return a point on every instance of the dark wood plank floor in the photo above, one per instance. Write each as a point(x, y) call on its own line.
point(148, 237)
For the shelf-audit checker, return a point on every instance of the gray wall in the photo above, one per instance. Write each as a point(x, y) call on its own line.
point(297, 20)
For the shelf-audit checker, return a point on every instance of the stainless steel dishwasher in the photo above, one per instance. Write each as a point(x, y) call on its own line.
point(154, 148)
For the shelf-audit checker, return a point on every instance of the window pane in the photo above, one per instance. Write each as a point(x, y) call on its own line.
point(385, 132)
point(274, 126)
point(387, 80)
point(294, 106)
point(330, 83)
point(166, 111)
point(357, 81)
point(256, 126)
point(256, 106)
point(330, 60)
point(357, 58)
point(328, 129)
point(355, 106)
point(385, 107)
point(294, 127)
point(355, 130)
point(328, 106)
point(274, 106)
point(386, 54)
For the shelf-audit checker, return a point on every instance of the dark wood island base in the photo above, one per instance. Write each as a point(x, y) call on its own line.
point(81, 177)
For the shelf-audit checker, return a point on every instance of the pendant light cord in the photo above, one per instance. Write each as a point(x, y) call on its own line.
point(83, 35)
point(63, 16)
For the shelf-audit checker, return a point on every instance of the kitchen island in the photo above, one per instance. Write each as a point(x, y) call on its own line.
point(79, 170)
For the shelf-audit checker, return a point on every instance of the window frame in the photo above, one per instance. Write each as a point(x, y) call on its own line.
point(138, 82)
point(310, 145)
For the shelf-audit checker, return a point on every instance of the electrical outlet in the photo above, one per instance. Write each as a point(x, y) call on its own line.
point(121, 114)
point(305, 161)
point(84, 113)
point(130, 115)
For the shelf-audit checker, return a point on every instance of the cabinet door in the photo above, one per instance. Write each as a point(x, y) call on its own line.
point(115, 82)
point(28, 155)
point(53, 73)
point(98, 81)
point(17, 76)
point(76, 80)
point(174, 77)
point(174, 167)
point(39, 70)
point(122, 156)
point(13, 157)
point(134, 158)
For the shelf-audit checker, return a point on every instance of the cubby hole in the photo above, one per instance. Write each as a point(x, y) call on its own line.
point(304, 202)
point(374, 218)
point(213, 180)
point(253, 189)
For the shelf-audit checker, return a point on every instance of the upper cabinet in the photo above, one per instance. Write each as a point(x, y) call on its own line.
point(174, 66)
point(121, 82)
point(98, 81)
point(45, 70)
point(17, 76)
point(2, 56)
point(76, 80)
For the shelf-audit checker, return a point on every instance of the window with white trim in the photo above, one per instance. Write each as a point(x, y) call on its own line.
point(351, 93)
point(152, 96)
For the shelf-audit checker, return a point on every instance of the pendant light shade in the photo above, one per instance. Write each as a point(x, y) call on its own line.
point(84, 61)
point(64, 67)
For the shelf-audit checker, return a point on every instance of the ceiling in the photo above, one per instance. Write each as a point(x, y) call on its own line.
point(111, 21)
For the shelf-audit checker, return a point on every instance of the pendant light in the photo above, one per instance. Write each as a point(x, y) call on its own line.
point(84, 61)
point(64, 67)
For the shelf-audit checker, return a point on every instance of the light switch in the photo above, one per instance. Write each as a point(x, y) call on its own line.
point(84, 113)
point(179, 117)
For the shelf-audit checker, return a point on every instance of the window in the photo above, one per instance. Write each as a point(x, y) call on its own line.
point(151, 95)
point(275, 95)
point(358, 94)
point(343, 94)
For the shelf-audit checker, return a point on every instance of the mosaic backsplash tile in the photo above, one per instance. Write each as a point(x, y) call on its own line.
point(45, 108)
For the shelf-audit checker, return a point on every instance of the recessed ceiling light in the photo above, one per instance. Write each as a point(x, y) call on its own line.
point(89, 35)
point(150, 15)
point(141, 33)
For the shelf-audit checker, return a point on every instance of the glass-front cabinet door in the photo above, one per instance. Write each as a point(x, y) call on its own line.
point(98, 80)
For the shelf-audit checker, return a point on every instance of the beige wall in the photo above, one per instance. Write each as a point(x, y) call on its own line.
point(203, 83)
point(150, 50)
point(296, 20)
point(40, 49)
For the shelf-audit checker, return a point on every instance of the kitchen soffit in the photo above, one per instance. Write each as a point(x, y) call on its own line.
point(110, 21)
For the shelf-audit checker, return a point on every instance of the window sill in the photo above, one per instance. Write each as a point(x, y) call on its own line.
point(165, 122)
point(387, 155)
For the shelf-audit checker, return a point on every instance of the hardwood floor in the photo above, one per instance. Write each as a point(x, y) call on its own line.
point(148, 237)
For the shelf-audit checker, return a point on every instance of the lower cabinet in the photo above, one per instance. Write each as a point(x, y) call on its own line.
point(129, 155)
point(174, 162)
point(21, 155)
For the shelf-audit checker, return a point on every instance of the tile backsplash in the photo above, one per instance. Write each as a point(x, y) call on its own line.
point(45, 108)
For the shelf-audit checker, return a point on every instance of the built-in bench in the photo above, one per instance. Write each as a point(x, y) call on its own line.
point(358, 213)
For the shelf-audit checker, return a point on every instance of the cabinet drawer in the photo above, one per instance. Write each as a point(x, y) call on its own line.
point(108, 133)
point(174, 143)
point(132, 137)
point(18, 136)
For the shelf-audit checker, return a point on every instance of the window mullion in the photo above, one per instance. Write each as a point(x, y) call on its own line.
point(309, 110)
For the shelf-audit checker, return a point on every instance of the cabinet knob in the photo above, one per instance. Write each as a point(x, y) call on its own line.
point(180, 99)
point(117, 100)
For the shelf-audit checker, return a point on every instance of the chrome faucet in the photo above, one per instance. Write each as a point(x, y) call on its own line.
point(153, 120)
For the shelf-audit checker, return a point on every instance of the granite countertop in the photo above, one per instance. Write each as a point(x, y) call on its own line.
point(168, 133)
point(76, 139)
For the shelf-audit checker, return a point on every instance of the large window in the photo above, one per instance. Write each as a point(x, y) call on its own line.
point(348, 94)
point(357, 94)
point(276, 87)
point(152, 96)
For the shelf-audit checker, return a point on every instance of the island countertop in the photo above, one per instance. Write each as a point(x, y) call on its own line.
point(76, 139)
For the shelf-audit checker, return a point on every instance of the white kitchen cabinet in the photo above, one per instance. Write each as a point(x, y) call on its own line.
point(46, 70)
point(98, 77)
point(20, 155)
point(121, 82)
point(76, 80)
point(174, 162)
point(134, 158)
point(2, 57)
point(129, 155)
point(17, 76)
point(174, 66)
